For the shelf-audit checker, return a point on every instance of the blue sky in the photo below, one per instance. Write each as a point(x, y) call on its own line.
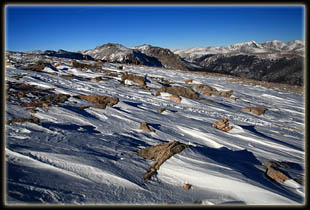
point(83, 27)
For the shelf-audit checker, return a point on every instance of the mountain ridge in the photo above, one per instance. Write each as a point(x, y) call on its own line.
point(271, 61)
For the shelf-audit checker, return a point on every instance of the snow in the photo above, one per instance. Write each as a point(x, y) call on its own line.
point(89, 156)
point(269, 49)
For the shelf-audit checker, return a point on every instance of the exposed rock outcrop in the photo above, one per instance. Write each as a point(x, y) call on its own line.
point(139, 80)
point(223, 125)
point(159, 111)
point(175, 98)
point(99, 101)
point(160, 153)
point(274, 172)
point(167, 58)
point(187, 186)
point(22, 120)
point(258, 110)
point(145, 127)
point(179, 91)
point(207, 90)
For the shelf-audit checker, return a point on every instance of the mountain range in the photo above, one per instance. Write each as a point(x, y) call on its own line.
point(272, 61)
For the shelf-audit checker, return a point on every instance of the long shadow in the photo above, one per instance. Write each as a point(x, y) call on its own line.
point(133, 103)
point(120, 109)
point(252, 129)
point(156, 126)
point(79, 111)
point(72, 127)
point(224, 105)
point(244, 162)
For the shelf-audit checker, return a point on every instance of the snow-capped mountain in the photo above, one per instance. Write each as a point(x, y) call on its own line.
point(118, 53)
point(250, 47)
point(273, 61)
point(110, 51)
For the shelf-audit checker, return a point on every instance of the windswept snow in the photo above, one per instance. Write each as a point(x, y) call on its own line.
point(89, 156)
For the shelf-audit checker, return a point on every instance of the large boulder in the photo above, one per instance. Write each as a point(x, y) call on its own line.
point(160, 153)
point(273, 171)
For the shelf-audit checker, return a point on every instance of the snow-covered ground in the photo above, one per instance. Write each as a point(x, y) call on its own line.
point(89, 156)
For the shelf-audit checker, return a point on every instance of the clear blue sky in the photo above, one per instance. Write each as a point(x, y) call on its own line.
point(83, 27)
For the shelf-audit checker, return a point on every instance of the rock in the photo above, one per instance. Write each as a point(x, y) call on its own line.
point(207, 94)
point(67, 76)
point(145, 127)
point(187, 186)
point(188, 81)
point(299, 180)
point(204, 88)
point(233, 98)
point(160, 153)
point(38, 66)
point(100, 101)
point(159, 111)
point(55, 98)
point(135, 78)
point(32, 110)
point(8, 63)
point(258, 110)
point(164, 82)
point(276, 164)
point(223, 125)
point(276, 175)
point(179, 91)
point(22, 120)
point(175, 98)
point(17, 77)
point(274, 172)
point(207, 90)
point(225, 93)
point(96, 79)
point(111, 74)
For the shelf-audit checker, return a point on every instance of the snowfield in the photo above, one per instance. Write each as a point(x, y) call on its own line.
point(89, 156)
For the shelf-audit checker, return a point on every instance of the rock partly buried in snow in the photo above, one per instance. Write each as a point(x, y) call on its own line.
point(277, 164)
point(159, 111)
point(145, 127)
point(274, 172)
point(175, 98)
point(223, 125)
point(160, 153)
point(207, 90)
point(187, 186)
point(179, 91)
point(47, 100)
point(258, 110)
point(22, 120)
point(188, 81)
point(139, 80)
point(100, 101)
point(37, 66)
point(96, 79)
